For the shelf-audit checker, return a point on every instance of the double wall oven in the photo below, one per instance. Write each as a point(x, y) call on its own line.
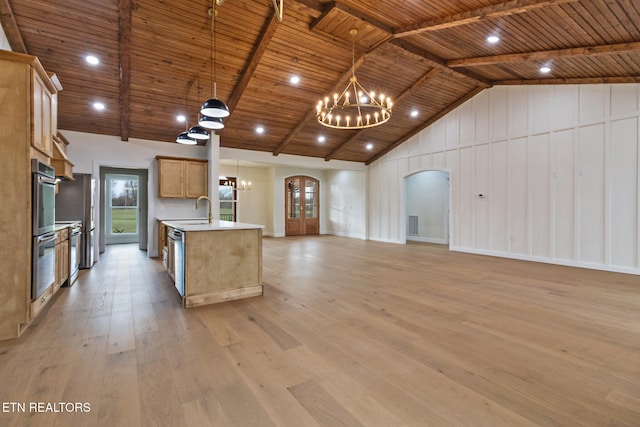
point(43, 265)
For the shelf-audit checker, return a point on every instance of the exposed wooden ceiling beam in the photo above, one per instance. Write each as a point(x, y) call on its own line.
point(254, 60)
point(545, 55)
point(433, 73)
point(10, 26)
point(440, 63)
point(124, 23)
point(350, 11)
point(571, 81)
point(511, 7)
point(429, 122)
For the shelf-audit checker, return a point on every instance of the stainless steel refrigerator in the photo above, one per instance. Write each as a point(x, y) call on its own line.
point(75, 202)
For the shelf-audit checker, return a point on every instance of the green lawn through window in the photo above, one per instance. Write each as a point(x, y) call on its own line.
point(123, 220)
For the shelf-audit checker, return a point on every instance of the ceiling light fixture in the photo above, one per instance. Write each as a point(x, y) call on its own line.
point(493, 39)
point(414, 113)
point(99, 106)
point(93, 60)
point(321, 139)
point(183, 137)
point(367, 109)
point(545, 69)
point(294, 80)
point(213, 107)
point(260, 130)
point(214, 123)
point(369, 146)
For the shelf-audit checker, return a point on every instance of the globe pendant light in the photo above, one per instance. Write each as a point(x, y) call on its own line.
point(211, 122)
point(198, 132)
point(214, 107)
point(183, 138)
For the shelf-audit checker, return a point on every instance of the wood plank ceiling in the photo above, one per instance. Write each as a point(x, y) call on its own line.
point(428, 55)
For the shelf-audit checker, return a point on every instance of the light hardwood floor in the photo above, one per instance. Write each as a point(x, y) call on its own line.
point(348, 333)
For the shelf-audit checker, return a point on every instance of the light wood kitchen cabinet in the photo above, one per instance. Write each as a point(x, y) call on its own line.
point(42, 116)
point(182, 178)
point(26, 84)
point(62, 258)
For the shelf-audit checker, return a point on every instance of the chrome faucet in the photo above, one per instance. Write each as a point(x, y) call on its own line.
point(209, 200)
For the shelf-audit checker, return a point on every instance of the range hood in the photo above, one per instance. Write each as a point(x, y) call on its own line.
point(60, 162)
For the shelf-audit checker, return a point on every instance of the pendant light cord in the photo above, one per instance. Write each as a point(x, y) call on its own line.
point(214, 47)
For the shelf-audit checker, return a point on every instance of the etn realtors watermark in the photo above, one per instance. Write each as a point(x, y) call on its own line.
point(46, 407)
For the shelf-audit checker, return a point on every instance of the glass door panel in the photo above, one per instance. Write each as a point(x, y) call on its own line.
point(311, 198)
point(122, 208)
point(302, 205)
point(227, 194)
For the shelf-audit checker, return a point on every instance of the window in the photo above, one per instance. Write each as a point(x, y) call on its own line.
point(228, 199)
point(122, 213)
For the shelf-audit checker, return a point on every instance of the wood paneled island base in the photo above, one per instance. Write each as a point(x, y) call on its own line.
point(222, 261)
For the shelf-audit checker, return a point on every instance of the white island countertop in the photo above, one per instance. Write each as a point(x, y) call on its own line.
point(203, 225)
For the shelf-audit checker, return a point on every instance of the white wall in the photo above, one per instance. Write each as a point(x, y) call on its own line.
point(558, 166)
point(4, 43)
point(253, 205)
point(346, 203)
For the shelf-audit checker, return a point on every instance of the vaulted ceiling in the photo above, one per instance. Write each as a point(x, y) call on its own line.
point(427, 55)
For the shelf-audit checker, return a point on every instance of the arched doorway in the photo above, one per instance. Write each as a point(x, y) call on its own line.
point(302, 205)
point(427, 197)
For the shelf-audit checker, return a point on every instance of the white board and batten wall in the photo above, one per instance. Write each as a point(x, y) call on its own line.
point(557, 167)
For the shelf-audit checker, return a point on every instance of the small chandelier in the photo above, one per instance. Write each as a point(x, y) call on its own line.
point(242, 185)
point(355, 108)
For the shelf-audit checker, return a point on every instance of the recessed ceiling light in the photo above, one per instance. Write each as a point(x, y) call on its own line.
point(294, 79)
point(414, 113)
point(181, 118)
point(369, 146)
point(321, 138)
point(493, 39)
point(92, 60)
point(98, 106)
point(260, 130)
point(545, 69)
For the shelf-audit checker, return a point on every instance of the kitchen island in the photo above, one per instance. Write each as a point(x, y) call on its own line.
point(215, 262)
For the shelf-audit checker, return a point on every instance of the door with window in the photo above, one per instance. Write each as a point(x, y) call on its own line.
point(302, 205)
point(228, 199)
point(122, 209)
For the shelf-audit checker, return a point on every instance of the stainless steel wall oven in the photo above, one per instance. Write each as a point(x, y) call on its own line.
point(43, 197)
point(44, 263)
point(43, 259)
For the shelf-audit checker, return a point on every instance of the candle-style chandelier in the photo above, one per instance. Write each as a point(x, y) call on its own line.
point(355, 107)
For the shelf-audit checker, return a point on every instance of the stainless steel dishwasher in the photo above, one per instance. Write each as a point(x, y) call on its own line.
point(178, 256)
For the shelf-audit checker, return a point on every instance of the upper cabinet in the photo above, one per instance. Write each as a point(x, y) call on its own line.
point(42, 123)
point(182, 178)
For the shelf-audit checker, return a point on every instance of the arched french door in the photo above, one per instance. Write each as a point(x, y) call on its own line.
point(302, 205)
